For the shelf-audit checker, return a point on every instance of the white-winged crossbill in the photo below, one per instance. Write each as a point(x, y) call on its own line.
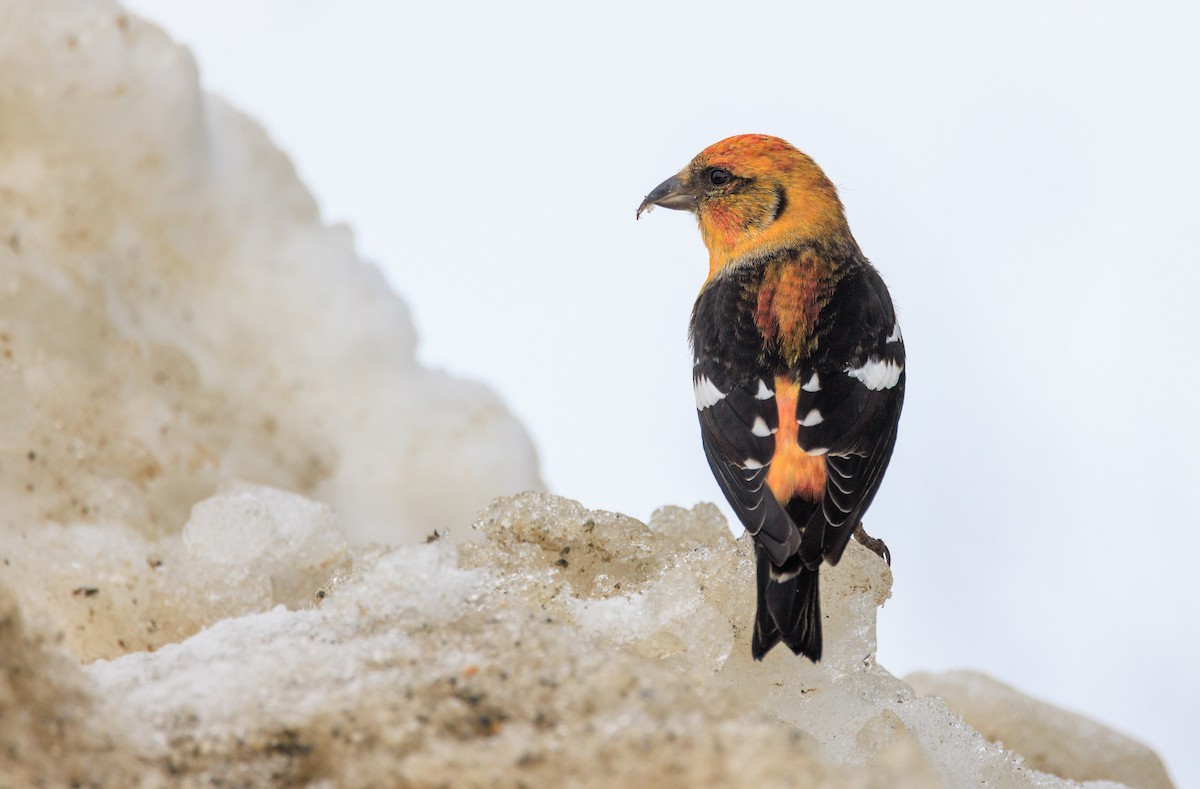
point(798, 368)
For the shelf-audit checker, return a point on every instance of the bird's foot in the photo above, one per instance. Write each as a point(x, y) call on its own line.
point(874, 544)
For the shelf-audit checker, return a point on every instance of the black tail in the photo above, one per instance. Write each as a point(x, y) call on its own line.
point(788, 611)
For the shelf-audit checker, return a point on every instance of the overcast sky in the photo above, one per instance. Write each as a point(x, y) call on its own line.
point(1024, 176)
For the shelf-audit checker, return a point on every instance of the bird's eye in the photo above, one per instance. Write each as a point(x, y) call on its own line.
point(719, 176)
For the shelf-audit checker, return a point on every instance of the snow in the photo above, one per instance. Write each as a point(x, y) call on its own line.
point(483, 660)
point(175, 315)
point(220, 458)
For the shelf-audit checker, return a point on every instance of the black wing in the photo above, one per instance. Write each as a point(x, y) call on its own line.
point(738, 420)
point(737, 409)
point(850, 402)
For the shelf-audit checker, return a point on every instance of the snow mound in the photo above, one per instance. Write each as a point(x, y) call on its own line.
point(500, 662)
point(174, 314)
point(175, 319)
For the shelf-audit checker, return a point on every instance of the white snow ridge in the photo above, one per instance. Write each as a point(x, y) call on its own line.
point(219, 461)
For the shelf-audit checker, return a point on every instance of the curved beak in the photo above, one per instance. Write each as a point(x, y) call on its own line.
point(671, 193)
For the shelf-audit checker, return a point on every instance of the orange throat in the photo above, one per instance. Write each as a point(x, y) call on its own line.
point(735, 230)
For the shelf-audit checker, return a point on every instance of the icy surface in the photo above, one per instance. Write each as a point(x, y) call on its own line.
point(499, 661)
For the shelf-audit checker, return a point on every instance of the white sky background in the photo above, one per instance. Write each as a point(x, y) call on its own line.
point(1024, 175)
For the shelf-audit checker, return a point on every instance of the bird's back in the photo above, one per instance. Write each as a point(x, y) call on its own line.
point(795, 436)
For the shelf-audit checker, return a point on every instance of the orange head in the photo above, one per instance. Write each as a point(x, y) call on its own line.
point(753, 194)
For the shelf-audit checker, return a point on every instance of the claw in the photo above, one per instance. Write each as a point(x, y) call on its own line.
point(876, 545)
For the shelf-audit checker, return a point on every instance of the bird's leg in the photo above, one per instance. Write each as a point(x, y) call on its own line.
point(874, 544)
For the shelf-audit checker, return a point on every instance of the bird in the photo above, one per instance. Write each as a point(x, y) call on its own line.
point(798, 369)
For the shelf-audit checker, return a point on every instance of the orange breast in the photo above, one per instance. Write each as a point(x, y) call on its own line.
point(793, 472)
point(790, 299)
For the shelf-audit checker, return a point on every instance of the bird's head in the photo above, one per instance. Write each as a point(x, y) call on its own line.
point(753, 194)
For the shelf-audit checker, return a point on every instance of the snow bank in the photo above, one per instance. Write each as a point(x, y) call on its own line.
point(209, 408)
point(176, 318)
point(500, 662)
point(173, 312)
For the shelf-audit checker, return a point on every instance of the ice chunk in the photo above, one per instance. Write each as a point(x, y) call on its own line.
point(260, 546)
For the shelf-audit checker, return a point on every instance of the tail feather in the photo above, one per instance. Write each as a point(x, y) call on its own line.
point(766, 634)
point(789, 610)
